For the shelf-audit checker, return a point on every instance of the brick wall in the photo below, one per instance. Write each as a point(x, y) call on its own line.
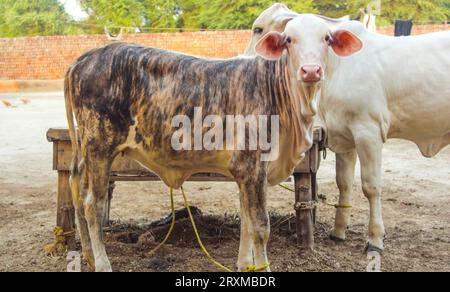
point(417, 29)
point(47, 58)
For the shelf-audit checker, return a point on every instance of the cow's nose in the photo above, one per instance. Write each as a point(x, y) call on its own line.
point(311, 73)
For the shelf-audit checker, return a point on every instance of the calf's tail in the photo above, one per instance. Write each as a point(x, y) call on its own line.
point(76, 166)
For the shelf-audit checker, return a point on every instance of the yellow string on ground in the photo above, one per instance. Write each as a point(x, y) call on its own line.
point(172, 204)
point(198, 235)
point(287, 188)
point(324, 201)
point(250, 269)
point(253, 269)
point(191, 217)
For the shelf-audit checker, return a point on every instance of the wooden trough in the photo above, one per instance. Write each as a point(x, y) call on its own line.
point(126, 170)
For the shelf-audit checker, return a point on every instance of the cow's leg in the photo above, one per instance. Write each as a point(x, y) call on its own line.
point(345, 177)
point(95, 203)
point(369, 148)
point(252, 181)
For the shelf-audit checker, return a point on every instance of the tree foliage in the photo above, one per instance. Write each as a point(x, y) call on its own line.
point(391, 10)
point(231, 14)
point(34, 17)
point(47, 17)
point(133, 13)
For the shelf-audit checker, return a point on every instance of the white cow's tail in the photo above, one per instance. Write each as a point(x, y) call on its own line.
point(76, 166)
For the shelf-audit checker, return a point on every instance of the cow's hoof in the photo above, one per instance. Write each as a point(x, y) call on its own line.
point(337, 238)
point(371, 248)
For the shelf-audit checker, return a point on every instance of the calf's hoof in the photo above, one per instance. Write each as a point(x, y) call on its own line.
point(243, 265)
point(103, 267)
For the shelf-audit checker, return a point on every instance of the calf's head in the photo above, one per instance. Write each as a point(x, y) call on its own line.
point(307, 40)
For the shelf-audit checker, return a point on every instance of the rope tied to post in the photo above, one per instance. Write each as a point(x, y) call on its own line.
point(301, 206)
point(305, 206)
point(59, 246)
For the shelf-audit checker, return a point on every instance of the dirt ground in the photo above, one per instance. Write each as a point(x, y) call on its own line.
point(416, 206)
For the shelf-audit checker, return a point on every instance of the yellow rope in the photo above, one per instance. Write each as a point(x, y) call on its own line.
point(287, 188)
point(254, 269)
point(323, 200)
point(191, 217)
point(250, 269)
point(198, 235)
point(170, 229)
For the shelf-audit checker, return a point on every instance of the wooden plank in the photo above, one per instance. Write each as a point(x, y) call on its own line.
point(315, 194)
point(305, 228)
point(107, 211)
point(123, 165)
point(65, 216)
point(62, 134)
point(55, 156)
point(58, 134)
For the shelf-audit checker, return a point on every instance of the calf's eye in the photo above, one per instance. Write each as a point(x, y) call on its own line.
point(258, 30)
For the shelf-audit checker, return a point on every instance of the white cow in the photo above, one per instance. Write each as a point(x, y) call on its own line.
point(393, 88)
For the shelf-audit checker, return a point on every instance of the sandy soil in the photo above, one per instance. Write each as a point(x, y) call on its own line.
point(416, 201)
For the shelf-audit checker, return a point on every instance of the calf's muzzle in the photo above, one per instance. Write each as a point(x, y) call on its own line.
point(311, 73)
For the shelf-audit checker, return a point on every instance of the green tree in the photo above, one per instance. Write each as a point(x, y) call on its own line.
point(117, 13)
point(132, 13)
point(231, 14)
point(162, 13)
point(416, 10)
point(34, 17)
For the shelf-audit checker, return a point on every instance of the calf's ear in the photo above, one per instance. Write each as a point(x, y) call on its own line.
point(271, 46)
point(344, 43)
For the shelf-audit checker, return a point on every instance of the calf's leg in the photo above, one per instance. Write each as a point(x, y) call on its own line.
point(94, 204)
point(345, 176)
point(78, 184)
point(245, 259)
point(251, 178)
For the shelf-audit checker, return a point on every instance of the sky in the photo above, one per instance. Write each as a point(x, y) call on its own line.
point(73, 8)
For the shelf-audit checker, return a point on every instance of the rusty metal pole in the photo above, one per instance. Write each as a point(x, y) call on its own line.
point(305, 228)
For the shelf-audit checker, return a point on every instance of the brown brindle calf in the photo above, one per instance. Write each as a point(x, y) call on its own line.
point(124, 98)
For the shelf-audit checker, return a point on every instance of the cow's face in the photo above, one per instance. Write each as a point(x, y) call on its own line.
point(307, 40)
point(274, 18)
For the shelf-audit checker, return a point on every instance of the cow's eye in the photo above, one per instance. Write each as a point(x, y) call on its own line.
point(258, 30)
point(288, 40)
point(329, 39)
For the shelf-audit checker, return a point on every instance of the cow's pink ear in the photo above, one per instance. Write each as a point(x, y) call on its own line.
point(345, 43)
point(271, 46)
